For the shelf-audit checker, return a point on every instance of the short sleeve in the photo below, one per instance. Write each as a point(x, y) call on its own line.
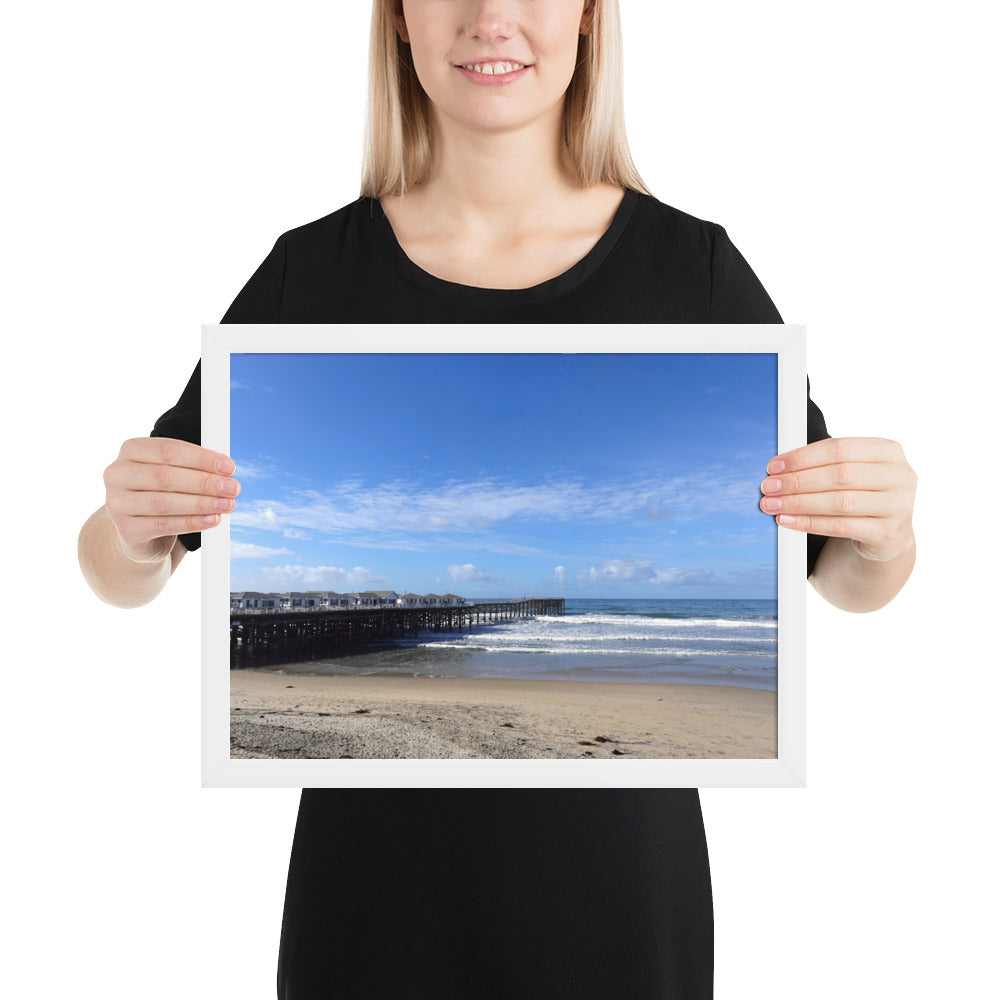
point(737, 296)
point(183, 421)
point(260, 299)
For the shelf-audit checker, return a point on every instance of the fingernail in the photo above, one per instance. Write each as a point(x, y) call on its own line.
point(770, 485)
point(775, 465)
point(771, 503)
point(209, 519)
point(229, 487)
point(225, 466)
point(786, 519)
point(223, 505)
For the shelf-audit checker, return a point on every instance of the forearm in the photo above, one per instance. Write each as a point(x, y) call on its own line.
point(853, 583)
point(111, 574)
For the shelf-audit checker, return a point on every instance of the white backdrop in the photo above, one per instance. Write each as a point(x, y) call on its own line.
point(157, 152)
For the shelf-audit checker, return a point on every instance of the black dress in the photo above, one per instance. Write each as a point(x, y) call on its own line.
point(489, 894)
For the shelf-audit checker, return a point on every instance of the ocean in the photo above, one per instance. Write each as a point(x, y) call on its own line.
point(732, 642)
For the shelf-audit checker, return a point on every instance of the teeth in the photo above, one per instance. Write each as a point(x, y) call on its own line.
point(495, 69)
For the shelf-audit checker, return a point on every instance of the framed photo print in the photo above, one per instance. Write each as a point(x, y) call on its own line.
point(503, 555)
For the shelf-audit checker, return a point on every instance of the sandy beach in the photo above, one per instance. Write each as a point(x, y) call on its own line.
point(297, 716)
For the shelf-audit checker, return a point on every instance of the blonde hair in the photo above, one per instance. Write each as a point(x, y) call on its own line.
point(397, 142)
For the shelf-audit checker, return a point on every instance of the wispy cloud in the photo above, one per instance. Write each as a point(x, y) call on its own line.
point(238, 384)
point(247, 550)
point(656, 512)
point(619, 569)
point(630, 570)
point(687, 577)
point(260, 468)
point(281, 578)
point(559, 573)
point(398, 508)
point(409, 543)
point(469, 573)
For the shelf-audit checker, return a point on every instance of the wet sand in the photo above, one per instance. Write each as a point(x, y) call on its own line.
point(297, 716)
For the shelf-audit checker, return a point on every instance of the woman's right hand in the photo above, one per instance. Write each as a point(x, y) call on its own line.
point(158, 488)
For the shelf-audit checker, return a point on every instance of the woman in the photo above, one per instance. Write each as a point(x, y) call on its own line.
point(498, 188)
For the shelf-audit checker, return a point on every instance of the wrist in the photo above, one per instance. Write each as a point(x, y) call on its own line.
point(899, 550)
point(153, 554)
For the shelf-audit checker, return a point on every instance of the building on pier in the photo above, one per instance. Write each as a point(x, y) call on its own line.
point(252, 600)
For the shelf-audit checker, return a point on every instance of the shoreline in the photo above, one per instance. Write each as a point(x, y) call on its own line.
point(304, 716)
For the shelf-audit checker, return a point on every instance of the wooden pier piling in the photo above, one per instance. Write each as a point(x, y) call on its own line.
point(262, 638)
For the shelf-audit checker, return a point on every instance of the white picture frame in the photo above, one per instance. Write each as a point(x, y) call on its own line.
point(787, 342)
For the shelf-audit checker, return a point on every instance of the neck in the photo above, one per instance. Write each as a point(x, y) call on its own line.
point(498, 180)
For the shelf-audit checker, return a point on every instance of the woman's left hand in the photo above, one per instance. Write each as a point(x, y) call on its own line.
point(856, 488)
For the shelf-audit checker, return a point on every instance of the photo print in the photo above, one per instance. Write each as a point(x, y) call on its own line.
point(518, 556)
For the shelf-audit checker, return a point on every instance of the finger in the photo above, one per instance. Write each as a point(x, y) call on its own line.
point(160, 504)
point(136, 531)
point(832, 451)
point(866, 530)
point(141, 477)
point(174, 452)
point(844, 476)
point(842, 503)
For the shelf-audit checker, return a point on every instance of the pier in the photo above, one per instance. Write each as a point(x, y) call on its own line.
point(262, 638)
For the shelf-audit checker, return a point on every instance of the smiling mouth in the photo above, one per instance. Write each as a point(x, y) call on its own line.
point(494, 68)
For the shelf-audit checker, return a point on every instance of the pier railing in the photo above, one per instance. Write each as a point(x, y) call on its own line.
point(263, 637)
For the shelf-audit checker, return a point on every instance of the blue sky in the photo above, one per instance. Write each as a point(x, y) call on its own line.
point(504, 475)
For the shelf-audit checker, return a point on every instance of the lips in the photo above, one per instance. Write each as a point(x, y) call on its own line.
point(493, 66)
point(493, 73)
